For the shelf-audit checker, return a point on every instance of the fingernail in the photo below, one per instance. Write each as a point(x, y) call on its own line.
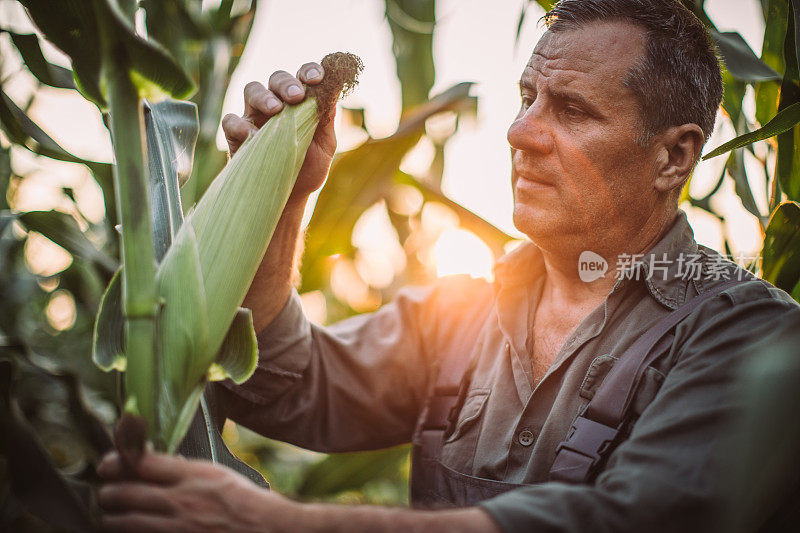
point(273, 103)
point(312, 74)
point(293, 90)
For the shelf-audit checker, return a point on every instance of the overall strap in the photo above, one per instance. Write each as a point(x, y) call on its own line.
point(594, 432)
point(455, 363)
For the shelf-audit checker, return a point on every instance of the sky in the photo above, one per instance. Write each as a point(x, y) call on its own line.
point(473, 41)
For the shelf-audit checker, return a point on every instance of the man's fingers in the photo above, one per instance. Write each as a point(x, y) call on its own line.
point(287, 87)
point(236, 130)
point(260, 103)
point(153, 467)
point(311, 73)
point(130, 496)
point(110, 467)
point(139, 522)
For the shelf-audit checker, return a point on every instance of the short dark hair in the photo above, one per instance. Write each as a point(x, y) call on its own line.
point(678, 81)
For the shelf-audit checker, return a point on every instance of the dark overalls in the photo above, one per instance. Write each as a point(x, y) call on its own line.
point(594, 434)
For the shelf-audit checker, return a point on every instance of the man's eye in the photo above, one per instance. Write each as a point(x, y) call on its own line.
point(527, 101)
point(573, 112)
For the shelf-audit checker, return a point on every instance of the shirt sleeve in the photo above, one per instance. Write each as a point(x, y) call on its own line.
point(671, 473)
point(356, 385)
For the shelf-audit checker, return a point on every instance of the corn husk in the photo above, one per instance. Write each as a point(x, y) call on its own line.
point(207, 271)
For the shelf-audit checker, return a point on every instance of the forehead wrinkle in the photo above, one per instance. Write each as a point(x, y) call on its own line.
point(545, 74)
point(560, 63)
point(569, 50)
point(565, 71)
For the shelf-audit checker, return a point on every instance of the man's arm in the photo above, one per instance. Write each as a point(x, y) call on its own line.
point(359, 384)
point(175, 494)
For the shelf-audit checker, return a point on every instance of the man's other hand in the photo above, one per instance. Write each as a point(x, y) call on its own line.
point(171, 494)
point(261, 103)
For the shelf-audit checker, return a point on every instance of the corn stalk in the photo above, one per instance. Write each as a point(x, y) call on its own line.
point(139, 303)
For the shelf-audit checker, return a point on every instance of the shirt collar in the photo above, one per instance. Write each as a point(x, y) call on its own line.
point(666, 269)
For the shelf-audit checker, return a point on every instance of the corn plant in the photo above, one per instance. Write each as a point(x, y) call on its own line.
point(179, 312)
point(206, 272)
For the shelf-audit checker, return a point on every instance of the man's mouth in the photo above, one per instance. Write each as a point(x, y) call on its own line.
point(530, 180)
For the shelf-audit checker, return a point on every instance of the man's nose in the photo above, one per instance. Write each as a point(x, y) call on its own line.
point(530, 133)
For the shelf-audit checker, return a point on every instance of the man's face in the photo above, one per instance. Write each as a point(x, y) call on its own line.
point(576, 168)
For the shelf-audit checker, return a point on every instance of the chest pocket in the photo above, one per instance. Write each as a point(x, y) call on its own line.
point(645, 393)
point(470, 413)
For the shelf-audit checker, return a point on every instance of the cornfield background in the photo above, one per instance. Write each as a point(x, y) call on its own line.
point(58, 245)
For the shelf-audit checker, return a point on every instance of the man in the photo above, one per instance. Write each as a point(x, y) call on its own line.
point(618, 100)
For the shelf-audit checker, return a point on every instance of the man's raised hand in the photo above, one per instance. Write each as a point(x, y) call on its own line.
point(261, 103)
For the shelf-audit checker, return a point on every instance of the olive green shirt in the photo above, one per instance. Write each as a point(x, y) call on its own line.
point(361, 384)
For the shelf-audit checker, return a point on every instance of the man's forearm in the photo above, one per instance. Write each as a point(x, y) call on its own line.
point(326, 518)
point(272, 284)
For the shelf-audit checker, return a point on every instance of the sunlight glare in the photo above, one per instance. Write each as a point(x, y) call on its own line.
point(44, 257)
point(459, 251)
point(61, 310)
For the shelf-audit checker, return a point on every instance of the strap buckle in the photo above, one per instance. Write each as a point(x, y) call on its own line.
point(586, 444)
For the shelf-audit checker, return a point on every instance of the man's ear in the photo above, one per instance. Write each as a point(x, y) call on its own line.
point(679, 149)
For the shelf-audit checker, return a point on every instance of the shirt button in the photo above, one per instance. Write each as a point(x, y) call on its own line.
point(525, 438)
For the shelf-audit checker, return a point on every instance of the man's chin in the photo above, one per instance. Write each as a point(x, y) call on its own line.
point(538, 223)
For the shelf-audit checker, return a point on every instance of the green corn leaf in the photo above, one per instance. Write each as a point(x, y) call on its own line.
point(732, 99)
point(412, 23)
point(740, 59)
point(358, 178)
point(72, 25)
point(108, 337)
point(171, 128)
point(785, 120)
point(5, 176)
point(182, 332)
point(547, 5)
point(736, 169)
point(63, 230)
point(153, 70)
point(520, 20)
point(493, 236)
point(23, 131)
point(788, 164)
point(781, 255)
point(53, 75)
point(238, 355)
point(176, 431)
point(351, 471)
point(772, 55)
point(796, 292)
